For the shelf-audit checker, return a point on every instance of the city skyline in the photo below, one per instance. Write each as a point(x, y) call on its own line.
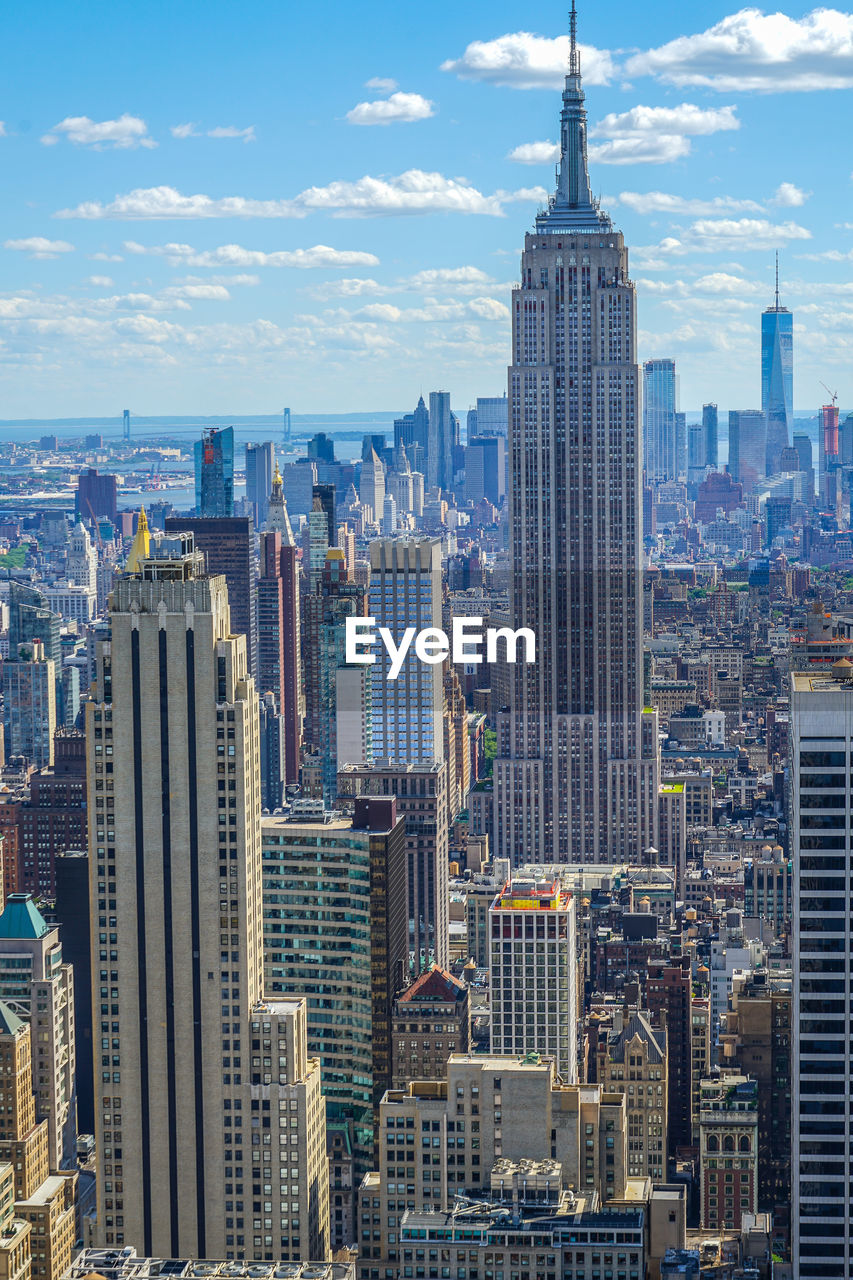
point(273, 263)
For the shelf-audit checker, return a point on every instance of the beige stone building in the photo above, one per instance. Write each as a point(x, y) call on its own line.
point(632, 1060)
point(209, 1120)
point(441, 1139)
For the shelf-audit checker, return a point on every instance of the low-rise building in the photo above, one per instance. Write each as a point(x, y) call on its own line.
point(430, 1020)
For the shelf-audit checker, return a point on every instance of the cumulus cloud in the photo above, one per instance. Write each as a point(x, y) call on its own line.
point(764, 53)
point(381, 84)
point(789, 196)
point(184, 130)
point(400, 108)
point(234, 255)
point(125, 133)
point(656, 135)
point(663, 202)
point(106, 257)
point(449, 277)
point(39, 247)
point(100, 282)
point(414, 191)
point(522, 60)
point(535, 153)
point(721, 235)
point(643, 135)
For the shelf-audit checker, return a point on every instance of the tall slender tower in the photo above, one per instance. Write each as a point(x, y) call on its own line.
point(177, 939)
point(777, 377)
point(576, 777)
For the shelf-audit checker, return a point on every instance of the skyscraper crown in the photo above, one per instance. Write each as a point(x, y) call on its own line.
point(572, 207)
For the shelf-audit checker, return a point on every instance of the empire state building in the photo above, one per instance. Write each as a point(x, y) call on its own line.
point(576, 779)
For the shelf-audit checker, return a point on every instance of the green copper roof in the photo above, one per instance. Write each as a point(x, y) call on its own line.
point(22, 918)
point(10, 1023)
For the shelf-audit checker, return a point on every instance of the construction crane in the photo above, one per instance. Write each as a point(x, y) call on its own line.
point(832, 394)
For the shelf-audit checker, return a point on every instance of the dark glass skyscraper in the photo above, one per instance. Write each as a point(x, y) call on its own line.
point(777, 377)
point(660, 437)
point(576, 777)
point(214, 473)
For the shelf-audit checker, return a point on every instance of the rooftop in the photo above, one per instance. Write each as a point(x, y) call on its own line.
point(124, 1264)
point(22, 918)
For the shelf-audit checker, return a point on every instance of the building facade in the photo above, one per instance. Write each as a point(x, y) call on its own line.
point(576, 773)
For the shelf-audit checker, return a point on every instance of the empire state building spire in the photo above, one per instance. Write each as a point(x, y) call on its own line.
point(572, 206)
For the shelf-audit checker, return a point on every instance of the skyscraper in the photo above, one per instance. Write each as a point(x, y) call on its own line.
point(777, 377)
point(660, 443)
point(279, 665)
point(176, 918)
point(260, 463)
point(229, 548)
point(576, 778)
point(440, 442)
point(747, 446)
point(405, 591)
point(29, 704)
point(709, 423)
point(214, 473)
point(822, 1163)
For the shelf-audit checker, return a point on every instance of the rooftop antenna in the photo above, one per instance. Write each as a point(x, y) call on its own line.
point(777, 279)
point(574, 56)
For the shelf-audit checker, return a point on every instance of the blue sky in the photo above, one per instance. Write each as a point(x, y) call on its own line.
point(212, 208)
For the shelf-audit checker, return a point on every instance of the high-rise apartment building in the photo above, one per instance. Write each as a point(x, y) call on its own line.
point(747, 446)
point(405, 591)
point(193, 1060)
point(660, 403)
point(822, 829)
point(728, 1151)
point(214, 473)
point(95, 495)
point(28, 684)
point(37, 981)
point(229, 548)
point(45, 1200)
point(335, 932)
point(533, 973)
point(260, 466)
point(279, 661)
point(421, 794)
point(576, 774)
point(710, 428)
point(54, 817)
point(488, 1110)
point(777, 377)
point(439, 457)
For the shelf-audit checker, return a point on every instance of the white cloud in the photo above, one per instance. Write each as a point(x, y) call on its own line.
point(453, 277)
point(751, 50)
point(663, 202)
point(39, 247)
point(656, 135)
point(414, 191)
point(106, 257)
point(231, 131)
point(234, 255)
point(641, 148)
point(720, 235)
point(400, 108)
point(686, 119)
point(535, 153)
point(381, 84)
point(201, 292)
point(351, 287)
point(522, 60)
point(643, 135)
point(789, 196)
point(191, 130)
point(100, 282)
point(122, 134)
point(2, 129)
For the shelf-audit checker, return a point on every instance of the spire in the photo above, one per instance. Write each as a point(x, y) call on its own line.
point(777, 279)
point(141, 544)
point(572, 207)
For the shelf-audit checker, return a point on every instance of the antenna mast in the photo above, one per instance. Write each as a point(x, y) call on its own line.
point(574, 56)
